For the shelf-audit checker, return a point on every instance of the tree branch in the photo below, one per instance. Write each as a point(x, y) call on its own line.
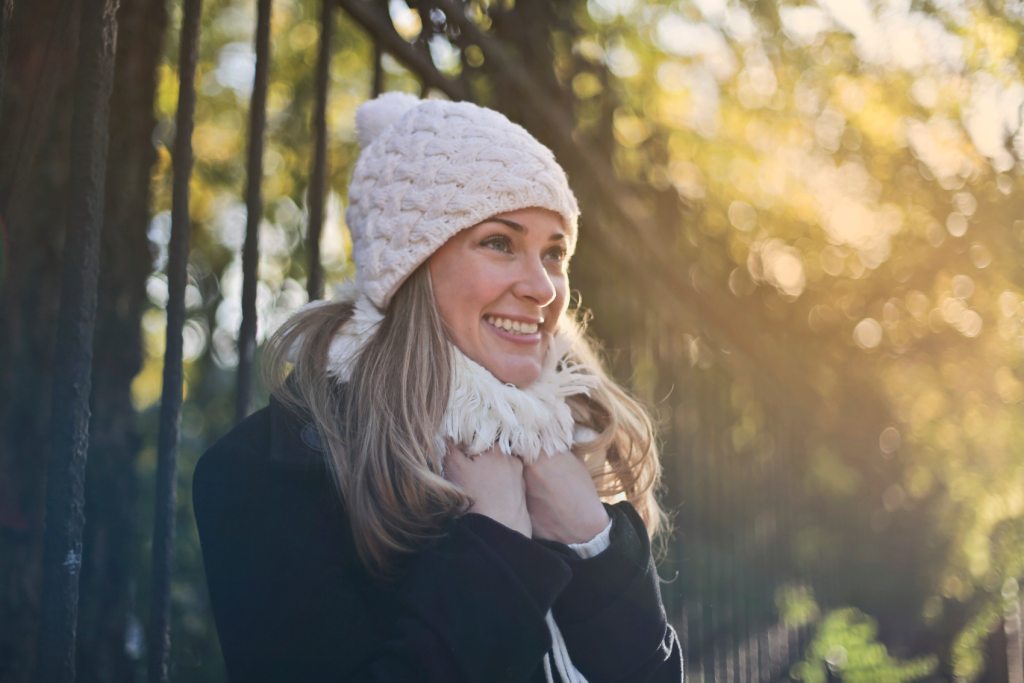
point(379, 25)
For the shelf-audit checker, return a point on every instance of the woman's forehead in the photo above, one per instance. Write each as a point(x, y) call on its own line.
point(531, 219)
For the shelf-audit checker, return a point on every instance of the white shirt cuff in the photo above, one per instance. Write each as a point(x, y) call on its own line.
point(594, 545)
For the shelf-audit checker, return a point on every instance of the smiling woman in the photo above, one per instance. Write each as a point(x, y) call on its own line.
point(446, 485)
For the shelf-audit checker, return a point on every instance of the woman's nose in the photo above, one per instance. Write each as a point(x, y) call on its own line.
point(535, 283)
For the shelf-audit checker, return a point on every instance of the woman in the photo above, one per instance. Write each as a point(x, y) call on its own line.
point(422, 498)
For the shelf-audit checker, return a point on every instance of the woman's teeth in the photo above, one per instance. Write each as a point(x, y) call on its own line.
point(513, 326)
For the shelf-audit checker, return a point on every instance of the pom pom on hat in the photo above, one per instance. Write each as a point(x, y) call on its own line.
point(374, 116)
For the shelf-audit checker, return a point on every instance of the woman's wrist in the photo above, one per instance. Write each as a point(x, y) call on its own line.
point(582, 530)
point(596, 545)
point(518, 520)
point(597, 524)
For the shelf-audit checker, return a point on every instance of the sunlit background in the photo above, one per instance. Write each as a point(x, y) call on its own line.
point(801, 243)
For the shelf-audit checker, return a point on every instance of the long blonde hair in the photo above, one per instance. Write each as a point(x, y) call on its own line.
point(380, 428)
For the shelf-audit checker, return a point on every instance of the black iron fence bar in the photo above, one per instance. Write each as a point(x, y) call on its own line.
point(740, 550)
point(378, 69)
point(6, 16)
point(159, 636)
point(764, 528)
point(721, 597)
point(777, 476)
point(254, 212)
point(793, 454)
point(422, 42)
point(72, 381)
point(707, 653)
point(1013, 632)
point(318, 176)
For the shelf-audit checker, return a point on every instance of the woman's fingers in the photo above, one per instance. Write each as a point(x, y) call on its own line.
point(562, 499)
point(494, 482)
point(553, 498)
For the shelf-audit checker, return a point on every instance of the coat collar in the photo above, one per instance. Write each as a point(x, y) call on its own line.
point(294, 439)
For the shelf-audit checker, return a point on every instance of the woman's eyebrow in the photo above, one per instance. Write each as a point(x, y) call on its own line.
point(519, 227)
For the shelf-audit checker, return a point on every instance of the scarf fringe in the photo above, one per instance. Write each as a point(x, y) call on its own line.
point(482, 411)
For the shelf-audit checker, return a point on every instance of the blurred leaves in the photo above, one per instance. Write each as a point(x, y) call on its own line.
point(846, 642)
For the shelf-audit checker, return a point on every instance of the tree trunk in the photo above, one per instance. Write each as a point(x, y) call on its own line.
point(108, 622)
point(76, 322)
point(34, 144)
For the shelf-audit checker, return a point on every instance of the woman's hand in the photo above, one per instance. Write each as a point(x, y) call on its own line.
point(562, 499)
point(494, 481)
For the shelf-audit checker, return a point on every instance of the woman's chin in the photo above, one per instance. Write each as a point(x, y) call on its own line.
point(521, 375)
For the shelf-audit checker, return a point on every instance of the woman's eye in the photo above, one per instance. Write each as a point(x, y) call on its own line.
point(557, 254)
point(498, 243)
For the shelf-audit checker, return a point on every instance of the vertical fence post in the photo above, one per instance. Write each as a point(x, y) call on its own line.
point(742, 557)
point(318, 177)
point(794, 453)
point(171, 391)
point(1014, 632)
point(378, 68)
point(6, 17)
point(776, 475)
point(707, 639)
point(719, 593)
point(65, 495)
point(782, 446)
point(254, 212)
point(680, 481)
point(764, 539)
point(713, 667)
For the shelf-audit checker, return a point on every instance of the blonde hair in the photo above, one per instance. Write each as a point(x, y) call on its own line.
point(379, 429)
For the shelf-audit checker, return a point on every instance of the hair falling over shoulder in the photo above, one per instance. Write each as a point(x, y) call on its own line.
point(623, 458)
point(381, 427)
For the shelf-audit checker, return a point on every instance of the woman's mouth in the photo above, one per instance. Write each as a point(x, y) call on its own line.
point(514, 327)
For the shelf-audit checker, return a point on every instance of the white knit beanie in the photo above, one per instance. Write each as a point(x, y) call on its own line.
point(432, 168)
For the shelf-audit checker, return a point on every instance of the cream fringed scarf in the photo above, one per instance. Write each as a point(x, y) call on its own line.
point(483, 411)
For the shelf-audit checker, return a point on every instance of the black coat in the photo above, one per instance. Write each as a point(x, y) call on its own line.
point(292, 602)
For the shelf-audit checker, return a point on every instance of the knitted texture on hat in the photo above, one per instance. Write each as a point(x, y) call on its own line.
point(430, 169)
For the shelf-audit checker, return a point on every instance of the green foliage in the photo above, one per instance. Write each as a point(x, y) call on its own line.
point(968, 650)
point(796, 605)
point(846, 641)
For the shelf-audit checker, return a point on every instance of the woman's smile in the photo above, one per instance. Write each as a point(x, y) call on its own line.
point(516, 330)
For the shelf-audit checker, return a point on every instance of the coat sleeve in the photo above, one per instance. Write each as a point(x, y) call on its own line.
point(290, 604)
point(611, 614)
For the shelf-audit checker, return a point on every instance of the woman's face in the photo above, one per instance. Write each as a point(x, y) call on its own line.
point(501, 287)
